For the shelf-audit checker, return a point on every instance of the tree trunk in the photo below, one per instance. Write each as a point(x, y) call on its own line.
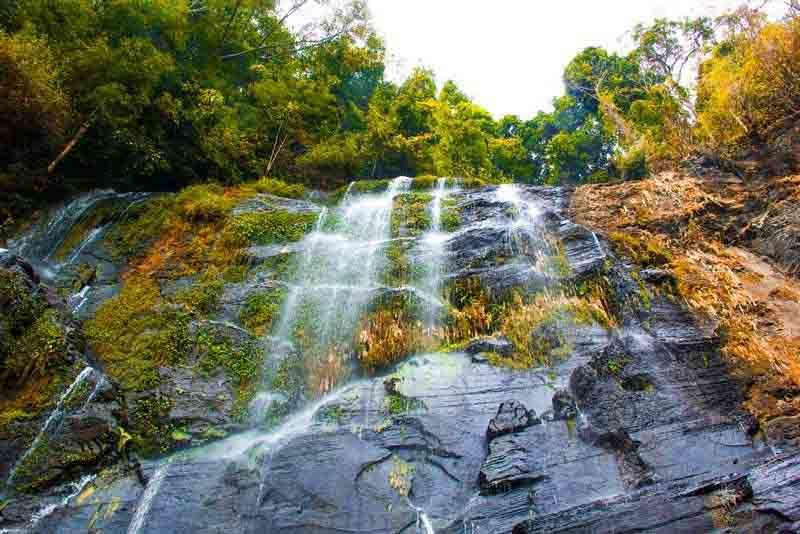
point(67, 149)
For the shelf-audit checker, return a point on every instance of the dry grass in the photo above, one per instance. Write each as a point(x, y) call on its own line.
point(386, 336)
point(662, 221)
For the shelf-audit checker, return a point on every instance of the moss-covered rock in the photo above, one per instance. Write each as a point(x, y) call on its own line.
point(411, 215)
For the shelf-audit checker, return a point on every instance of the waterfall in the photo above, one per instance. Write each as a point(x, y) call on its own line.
point(90, 238)
point(433, 251)
point(77, 488)
point(338, 273)
point(525, 234)
point(150, 491)
point(42, 241)
point(52, 421)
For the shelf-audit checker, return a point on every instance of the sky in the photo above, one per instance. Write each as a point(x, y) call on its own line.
point(508, 55)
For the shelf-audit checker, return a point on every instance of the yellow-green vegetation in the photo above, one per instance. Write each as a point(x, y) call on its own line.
point(388, 333)
point(150, 432)
point(472, 314)
point(242, 364)
point(209, 202)
point(271, 227)
point(136, 332)
point(398, 272)
point(400, 476)
point(424, 182)
point(204, 295)
point(451, 216)
point(410, 215)
point(261, 309)
point(33, 351)
point(749, 88)
point(143, 224)
point(536, 327)
point(397, 404)
point(279, 188)
point(641, 247)
point(38, 350)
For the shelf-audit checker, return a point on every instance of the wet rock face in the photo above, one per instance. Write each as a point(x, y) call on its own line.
point(564, 406)
point(660, 444)
point(512, 416)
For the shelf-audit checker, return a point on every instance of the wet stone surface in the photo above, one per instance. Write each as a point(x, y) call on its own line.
point(638, 429)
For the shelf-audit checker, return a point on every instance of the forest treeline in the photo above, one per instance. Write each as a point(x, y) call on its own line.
point(156, 94)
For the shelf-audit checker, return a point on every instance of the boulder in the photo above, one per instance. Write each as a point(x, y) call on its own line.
point(512, 416)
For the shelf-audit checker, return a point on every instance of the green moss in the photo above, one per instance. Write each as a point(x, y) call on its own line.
point(279, 188)
point(206, 202)
point(276, 414)
point(261, 309)
point(424, 182)
point(397, 404)
point(399, 270)
point(143, 224)
point(136, 332)
point(38, 350)
point(410, 215)
point(332, 413)
point(23, 307)
point(149, 426)
point(272, 227)
point(203, 297)
point(241, 363)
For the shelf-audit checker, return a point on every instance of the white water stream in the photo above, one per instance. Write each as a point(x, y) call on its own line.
point(51, 423)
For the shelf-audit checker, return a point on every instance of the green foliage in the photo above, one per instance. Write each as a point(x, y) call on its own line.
point(204, 203)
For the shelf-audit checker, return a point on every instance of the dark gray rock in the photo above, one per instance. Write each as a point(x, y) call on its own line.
point(498, 345)
point(511, 416)
point(564, 406)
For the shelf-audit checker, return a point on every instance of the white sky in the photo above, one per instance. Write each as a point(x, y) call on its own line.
point(508, 55)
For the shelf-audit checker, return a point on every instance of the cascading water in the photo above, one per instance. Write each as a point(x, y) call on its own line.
point(525, 233)
point(337, 276)
point(51, 423)
point(433, 250)
point(142, 509)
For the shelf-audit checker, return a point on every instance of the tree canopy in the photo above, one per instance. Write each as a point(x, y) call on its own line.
point(157, 94)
